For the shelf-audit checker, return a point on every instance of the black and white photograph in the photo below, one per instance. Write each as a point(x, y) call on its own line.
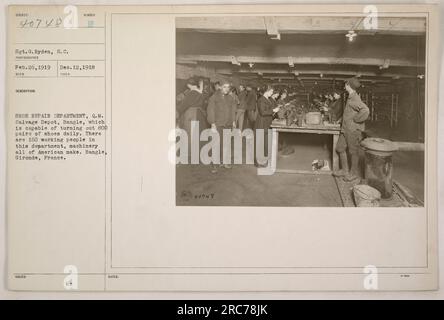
point(301, 111)
point(233, 151)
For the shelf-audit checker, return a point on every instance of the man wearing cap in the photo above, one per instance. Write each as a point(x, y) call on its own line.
point(335, 107)
point(354, 116)
point(221, 113)
point(191, 107)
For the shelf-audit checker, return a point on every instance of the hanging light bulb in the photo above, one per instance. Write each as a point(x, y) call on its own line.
point(351, 35)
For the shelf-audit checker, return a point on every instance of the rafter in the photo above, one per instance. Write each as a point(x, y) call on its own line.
point(301, 24)
point(298, 60)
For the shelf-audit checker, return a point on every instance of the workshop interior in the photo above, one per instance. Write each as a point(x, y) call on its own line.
point(342, 101)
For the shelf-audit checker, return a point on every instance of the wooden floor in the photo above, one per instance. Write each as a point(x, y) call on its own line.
point(242, 186)
point(398, 199)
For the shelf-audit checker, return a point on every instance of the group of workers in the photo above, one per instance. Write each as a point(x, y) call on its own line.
point(223, 106)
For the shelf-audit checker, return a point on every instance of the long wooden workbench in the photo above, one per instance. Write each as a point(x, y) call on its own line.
point(332, 129)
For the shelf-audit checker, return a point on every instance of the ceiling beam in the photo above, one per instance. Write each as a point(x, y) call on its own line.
point(307, 79)
point(315, 72)
point(297, 60)
point(301, 24)
point(272, 28)
point(315, 79)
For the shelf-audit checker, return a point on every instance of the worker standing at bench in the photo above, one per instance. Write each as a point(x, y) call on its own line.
point(353, 125)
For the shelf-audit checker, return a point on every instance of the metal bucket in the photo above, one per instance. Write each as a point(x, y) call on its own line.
point(366, 196)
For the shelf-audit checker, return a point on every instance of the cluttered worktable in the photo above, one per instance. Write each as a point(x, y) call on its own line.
point(328, 128)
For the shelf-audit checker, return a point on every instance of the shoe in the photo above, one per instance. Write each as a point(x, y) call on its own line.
point(228, 166)
point(214, 169)
point(351, 178)
point(344, 165)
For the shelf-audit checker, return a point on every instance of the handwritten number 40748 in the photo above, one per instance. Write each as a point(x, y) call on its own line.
point(69, 21)
point(41, 23)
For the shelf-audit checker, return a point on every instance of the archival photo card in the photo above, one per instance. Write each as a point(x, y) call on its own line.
point(234, 148)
